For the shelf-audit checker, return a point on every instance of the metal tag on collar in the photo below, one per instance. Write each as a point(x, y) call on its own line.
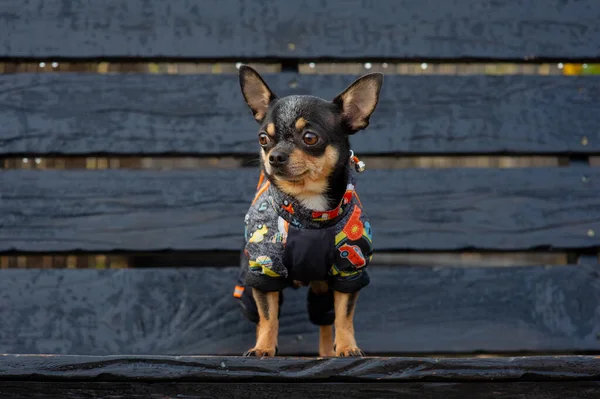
point(359, 165)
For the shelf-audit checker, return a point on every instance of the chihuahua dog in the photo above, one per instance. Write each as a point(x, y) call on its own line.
point(306, 225)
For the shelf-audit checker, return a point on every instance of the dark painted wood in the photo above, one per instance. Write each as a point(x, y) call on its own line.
point(410, 209)
point(308, 29)
point(149, 114)
point(289, 369)
point(291, 390)
point(404, 310)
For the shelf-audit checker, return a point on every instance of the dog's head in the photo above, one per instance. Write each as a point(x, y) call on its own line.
point(304, 139)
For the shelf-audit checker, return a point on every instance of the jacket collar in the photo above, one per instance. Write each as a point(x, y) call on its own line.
point(298, 215)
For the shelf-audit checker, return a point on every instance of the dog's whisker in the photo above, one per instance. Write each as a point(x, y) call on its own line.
point(251, 161)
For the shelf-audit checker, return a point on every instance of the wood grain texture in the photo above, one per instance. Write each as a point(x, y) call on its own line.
point(292, 390)
point(288, 369)
point(315, 28)
point(405, 310)
point(410, 209)
point(205, 114)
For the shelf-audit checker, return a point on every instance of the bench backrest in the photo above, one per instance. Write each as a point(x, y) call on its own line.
point(408, 308)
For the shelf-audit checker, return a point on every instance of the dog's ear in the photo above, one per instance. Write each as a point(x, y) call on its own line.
point(257, 94)
point(359, 100)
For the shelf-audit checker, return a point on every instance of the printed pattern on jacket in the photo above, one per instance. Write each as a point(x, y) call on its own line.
point(286, 241)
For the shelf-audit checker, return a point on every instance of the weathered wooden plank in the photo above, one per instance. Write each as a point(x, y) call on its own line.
point(410, 209)
point(206, 369)
point(325, 390)
point(308, 29)
point(192, 312)
point(205, 114)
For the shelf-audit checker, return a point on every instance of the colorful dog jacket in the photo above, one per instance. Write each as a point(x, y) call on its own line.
point(285, 241)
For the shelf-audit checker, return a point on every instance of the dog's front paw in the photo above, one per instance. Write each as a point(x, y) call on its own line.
point(344, 351)
point(261, 352)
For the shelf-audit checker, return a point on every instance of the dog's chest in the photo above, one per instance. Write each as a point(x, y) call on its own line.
point(316, 202)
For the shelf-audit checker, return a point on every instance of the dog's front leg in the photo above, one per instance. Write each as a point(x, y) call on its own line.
point(345, 343)
point(268, 325)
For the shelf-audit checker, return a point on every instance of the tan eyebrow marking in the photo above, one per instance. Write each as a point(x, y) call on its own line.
point(300, 123)
point(271, 129)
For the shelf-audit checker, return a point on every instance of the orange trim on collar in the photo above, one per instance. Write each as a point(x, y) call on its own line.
point(262, 189)
point(261, 179)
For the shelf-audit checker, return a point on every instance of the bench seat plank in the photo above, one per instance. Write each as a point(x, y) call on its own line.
point(205, 114)
point(410, 209)
point(284, 370)
point(312, 29)
point(405, 310)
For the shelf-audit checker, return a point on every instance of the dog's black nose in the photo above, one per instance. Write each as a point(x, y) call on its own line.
point(278, 158)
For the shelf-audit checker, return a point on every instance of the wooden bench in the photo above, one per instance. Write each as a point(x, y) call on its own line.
point(139, 331)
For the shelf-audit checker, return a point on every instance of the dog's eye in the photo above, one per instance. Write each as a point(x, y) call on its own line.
point(263, 139)
point(310, 138)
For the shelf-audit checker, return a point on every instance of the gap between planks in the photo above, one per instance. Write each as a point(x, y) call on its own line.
point(231, 162)
point(231, 259)
point(345, 67)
